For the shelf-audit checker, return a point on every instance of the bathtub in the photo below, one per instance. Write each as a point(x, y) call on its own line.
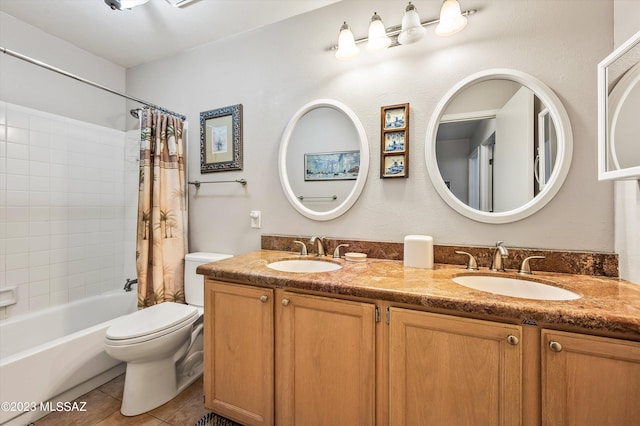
point(57, 354)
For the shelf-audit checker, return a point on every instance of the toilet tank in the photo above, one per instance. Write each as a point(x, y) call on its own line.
point(194, 283)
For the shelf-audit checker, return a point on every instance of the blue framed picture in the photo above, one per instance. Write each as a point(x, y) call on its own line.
point(394, 141)
point(323, 166)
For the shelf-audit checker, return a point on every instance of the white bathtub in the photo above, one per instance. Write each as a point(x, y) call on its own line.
point(57, 354)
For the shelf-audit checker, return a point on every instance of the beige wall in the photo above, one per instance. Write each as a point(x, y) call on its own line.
point(275, 70)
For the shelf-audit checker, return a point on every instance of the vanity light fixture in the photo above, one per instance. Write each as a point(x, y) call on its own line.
point(412, 29)
point(452, 20)
point(346, 43)
point(378, 38)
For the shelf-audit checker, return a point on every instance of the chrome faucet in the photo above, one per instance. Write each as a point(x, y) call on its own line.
point(318, 242)
point(501, 253)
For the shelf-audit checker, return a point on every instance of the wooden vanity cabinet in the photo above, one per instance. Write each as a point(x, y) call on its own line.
point(323, 350)
point(588, 380)
point(445, 370)
point(239, 352)
point(285, 358)
point(325, 361)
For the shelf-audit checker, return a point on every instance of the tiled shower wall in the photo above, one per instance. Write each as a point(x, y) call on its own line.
point(67, 208)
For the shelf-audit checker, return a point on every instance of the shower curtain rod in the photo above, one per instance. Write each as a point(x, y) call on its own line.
point(83, 80)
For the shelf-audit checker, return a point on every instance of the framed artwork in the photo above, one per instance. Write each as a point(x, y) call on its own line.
point(394, 141)
point(221, 139)
point(343, 165)
point(394, 166)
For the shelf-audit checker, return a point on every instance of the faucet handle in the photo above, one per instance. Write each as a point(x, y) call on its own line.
point(471, 263)
point(525, 268)
point(303, 248)
point(336, 251)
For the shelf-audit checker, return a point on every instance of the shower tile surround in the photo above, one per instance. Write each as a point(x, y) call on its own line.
point(68, 197)
point(567, 262)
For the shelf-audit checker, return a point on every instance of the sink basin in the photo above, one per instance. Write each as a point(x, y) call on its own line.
point(515, 287)
point(304, 266)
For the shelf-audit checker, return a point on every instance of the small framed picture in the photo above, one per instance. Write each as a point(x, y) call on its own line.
point(394, 166)
point(343, 165)
point(221, 139)
point(394, 141)
point(395, 118)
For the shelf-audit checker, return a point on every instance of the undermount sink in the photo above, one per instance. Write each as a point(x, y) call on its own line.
point(515, 287)
point(304, 266)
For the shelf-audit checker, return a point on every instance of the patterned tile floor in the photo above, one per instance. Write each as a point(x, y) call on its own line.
point(103, 408)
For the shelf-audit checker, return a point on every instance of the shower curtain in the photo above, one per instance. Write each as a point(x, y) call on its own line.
point(162, 210)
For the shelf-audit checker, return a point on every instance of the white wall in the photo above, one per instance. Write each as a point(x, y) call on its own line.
point(273, 71)
point(627, 193)
point(68, 174)
point(22, 83)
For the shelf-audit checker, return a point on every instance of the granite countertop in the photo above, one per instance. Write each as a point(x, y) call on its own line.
point(609, 306)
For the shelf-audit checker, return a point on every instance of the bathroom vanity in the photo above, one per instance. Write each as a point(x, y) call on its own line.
point(377, 343)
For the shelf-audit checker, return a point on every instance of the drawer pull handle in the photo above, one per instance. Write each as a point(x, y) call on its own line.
point(512, 340)
point(285, 302)
point(264, 298)
point(555, 346)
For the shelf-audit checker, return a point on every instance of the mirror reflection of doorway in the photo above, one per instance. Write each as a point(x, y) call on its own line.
point(498, 160)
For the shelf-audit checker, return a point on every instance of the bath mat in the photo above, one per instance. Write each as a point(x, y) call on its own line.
point(212, 419)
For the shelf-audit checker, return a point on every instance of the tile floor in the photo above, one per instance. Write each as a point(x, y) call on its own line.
point(103, 409)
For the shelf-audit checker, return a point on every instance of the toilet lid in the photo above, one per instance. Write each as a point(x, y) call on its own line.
point(151, 320)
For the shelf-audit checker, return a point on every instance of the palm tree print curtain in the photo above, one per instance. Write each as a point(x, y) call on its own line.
point(162, 210)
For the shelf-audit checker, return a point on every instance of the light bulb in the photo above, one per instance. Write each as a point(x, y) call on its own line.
point(378, 39)
point(346, 43)
point(412, 29)
point(451, 19)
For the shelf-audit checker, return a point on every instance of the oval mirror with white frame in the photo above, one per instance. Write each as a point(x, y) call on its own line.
point(324, 159)
point(498, 146)
point(618, 106)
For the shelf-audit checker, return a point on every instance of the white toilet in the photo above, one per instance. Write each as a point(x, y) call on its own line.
point(162, 345)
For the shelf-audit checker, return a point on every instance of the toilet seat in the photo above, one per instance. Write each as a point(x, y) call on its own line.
point(151, 323)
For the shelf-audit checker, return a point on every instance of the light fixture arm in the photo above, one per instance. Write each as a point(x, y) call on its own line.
point(393, 32)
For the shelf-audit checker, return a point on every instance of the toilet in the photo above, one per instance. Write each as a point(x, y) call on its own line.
point(162, 345)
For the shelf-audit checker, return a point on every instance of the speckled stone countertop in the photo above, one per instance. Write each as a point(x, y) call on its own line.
point(609, 306)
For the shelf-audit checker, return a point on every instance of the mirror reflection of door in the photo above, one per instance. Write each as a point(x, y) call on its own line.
point(496, 146)
point(546, 149)
point(513, 153)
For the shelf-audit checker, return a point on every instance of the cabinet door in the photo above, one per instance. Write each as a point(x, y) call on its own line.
point(445, 370)
point(238, 352)
point(589, 380)
point(324, 361)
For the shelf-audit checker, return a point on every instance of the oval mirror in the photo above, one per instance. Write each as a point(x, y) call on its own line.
point(618, 105)
point(498, 146)
point(323, 159)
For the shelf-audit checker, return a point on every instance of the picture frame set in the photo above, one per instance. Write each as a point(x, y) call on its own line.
point(221, 139)
point(394, 141)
